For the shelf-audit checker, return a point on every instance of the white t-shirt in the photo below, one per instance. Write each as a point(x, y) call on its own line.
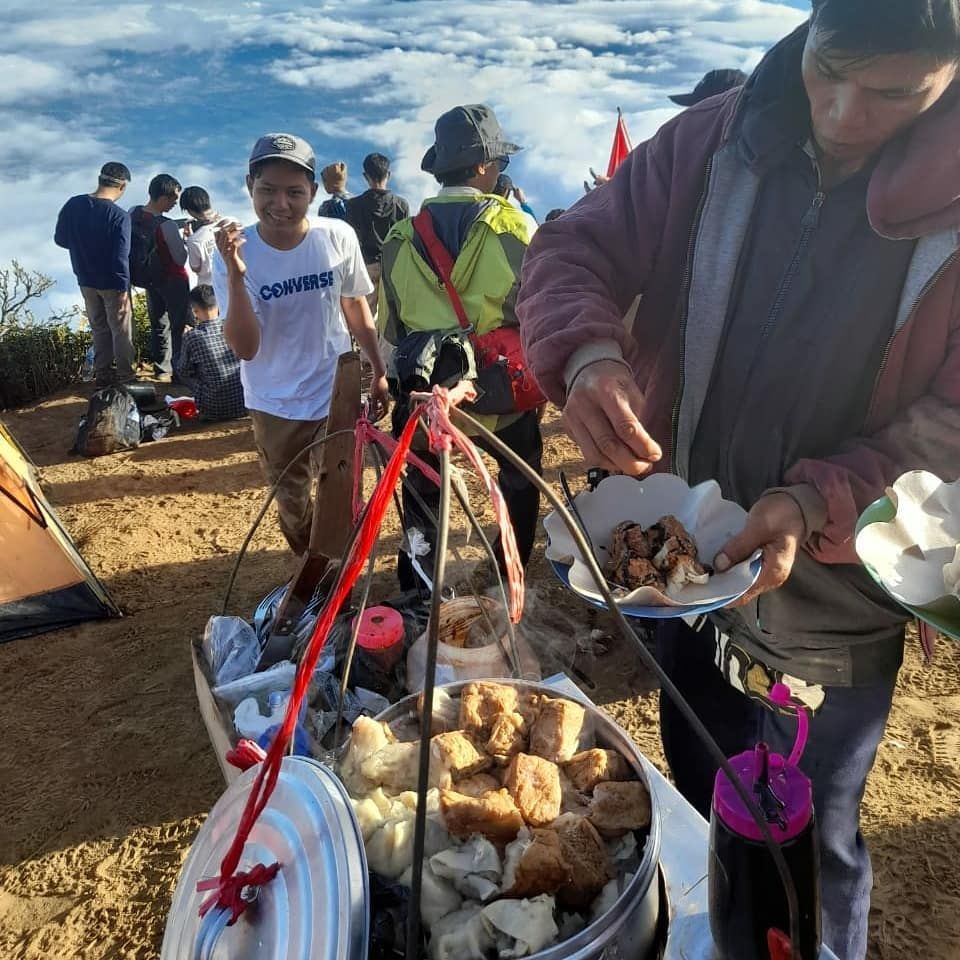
point(201, 245)
point(296, 298)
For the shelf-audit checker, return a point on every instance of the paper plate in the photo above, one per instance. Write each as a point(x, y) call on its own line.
point(709, 518)
point(876, 539)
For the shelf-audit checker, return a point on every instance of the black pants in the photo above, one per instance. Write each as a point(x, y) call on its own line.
point(522, 497)
point(168, 307)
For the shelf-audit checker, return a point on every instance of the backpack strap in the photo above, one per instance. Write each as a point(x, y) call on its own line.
point(442, 263)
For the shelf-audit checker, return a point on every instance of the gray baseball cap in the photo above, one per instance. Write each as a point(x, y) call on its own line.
point(465, 136)
point(285, 146)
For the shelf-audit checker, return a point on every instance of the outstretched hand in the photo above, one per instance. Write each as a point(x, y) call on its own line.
point(601, 414)
point(774, 526)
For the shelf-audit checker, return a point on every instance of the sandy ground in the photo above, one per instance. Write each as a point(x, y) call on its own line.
point(106, 771)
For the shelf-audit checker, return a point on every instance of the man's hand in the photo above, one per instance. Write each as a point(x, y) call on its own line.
point(775, 525)
point(123, 301)
point(229, 241)
point(601, 415)
point(379, 398)
point(519, 194)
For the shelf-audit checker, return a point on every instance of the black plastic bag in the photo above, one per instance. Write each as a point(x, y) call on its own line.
point(111, 423)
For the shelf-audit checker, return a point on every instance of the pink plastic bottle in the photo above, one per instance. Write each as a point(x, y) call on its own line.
point(747, 899)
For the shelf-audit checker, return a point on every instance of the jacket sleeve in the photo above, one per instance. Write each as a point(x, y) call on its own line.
point(121, 252)
point(61, 236)
point(584, 269)
point(924, 436)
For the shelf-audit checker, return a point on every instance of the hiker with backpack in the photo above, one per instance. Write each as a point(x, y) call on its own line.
point(157, 265)
point(334, 179)
point(373, 213)
point(447, 296)
point(292, 290)
point(96, 231)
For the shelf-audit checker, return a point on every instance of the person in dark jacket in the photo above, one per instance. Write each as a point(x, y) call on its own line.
point(795, 245)
point(96, 231)
point(373, 213)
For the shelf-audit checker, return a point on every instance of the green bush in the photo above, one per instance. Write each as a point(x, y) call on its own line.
point(37, 359)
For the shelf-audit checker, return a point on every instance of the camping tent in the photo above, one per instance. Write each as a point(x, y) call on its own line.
point(44, 582)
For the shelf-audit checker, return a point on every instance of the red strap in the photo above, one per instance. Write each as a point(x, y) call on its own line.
point(442, 262)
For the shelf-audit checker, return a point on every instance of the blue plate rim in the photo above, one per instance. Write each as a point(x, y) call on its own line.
point(562, 571)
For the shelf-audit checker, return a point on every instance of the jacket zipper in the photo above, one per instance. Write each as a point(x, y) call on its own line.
point(927, 287)
point(685, 300)
point(808, 226)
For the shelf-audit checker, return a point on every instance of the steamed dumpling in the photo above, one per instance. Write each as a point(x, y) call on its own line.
point(521, 927)
point(461, 936)
point(437, 896)
point(390, 849)
point(473, 867)
point(366, 738)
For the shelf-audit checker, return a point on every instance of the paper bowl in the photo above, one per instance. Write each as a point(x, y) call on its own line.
point(906, 538)
point(709, 518)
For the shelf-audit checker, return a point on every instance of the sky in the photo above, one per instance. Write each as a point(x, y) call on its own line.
point(187, 87)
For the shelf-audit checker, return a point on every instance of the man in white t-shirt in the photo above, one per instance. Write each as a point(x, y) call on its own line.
point(293, 289)
point(200, 233)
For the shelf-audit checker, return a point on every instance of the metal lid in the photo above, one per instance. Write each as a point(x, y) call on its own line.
point(316, 908)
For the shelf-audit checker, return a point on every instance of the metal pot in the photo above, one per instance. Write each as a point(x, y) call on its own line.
point(629, 928)
point(316, 908)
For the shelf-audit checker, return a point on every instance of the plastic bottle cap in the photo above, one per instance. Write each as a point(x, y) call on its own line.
point(790, 785)
point(380, 628)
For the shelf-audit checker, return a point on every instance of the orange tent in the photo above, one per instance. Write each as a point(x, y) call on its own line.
point(44, 582)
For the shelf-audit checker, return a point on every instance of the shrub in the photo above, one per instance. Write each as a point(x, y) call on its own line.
point(38, 358)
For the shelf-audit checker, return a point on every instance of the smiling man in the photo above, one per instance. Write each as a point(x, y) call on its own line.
point(292, 289)
point(795, 246)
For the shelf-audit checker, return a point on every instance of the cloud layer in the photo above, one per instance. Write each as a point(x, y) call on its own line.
point(187, 88)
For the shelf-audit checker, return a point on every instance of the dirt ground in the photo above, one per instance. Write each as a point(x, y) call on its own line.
point(106, 771)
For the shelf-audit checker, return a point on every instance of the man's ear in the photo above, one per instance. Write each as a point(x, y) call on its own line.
point(313, 192)
point(250, 184)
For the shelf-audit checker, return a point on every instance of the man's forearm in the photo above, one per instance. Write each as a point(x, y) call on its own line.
point(241, 329)
point(356, 310)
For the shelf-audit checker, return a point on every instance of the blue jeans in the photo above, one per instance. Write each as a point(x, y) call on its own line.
point(844, 735)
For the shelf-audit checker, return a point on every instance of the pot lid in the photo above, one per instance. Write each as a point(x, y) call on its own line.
point(315, 908)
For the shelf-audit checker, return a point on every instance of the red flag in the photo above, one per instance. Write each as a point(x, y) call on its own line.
point(621, 145)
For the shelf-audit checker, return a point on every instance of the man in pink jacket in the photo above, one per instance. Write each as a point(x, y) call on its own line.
point(795, 246)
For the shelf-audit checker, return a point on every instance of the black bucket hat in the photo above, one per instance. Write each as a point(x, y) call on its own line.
point(465, 136)
point(713, 83)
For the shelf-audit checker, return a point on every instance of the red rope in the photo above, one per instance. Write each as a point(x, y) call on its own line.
point(229, 885)
point(443, 434)
point(366, 433)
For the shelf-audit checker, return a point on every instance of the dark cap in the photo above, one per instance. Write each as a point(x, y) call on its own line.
point(465, 136)
point(713, 83)
point(285, 146)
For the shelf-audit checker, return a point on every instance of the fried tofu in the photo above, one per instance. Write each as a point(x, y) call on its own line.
point(458, 754)
point(478, 785)
point(481, 703)
point(534, 784)
point(571, 799)
point(556, 734)
point(529, 705)
point(535, 864)
point(590, 767)
point(618, 807)
point(584, 848)
point(508, 736)
point(494, 815)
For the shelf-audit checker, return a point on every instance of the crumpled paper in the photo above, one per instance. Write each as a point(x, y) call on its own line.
point(916, 555)
point(709, 519)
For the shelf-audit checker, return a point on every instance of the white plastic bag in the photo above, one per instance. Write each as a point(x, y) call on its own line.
point(231, 648)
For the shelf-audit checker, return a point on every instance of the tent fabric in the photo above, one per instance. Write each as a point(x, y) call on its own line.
point(44, 582)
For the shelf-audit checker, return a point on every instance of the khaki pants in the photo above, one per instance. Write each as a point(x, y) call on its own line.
point(278, 442)
point(110, 326)
point(375, 270)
